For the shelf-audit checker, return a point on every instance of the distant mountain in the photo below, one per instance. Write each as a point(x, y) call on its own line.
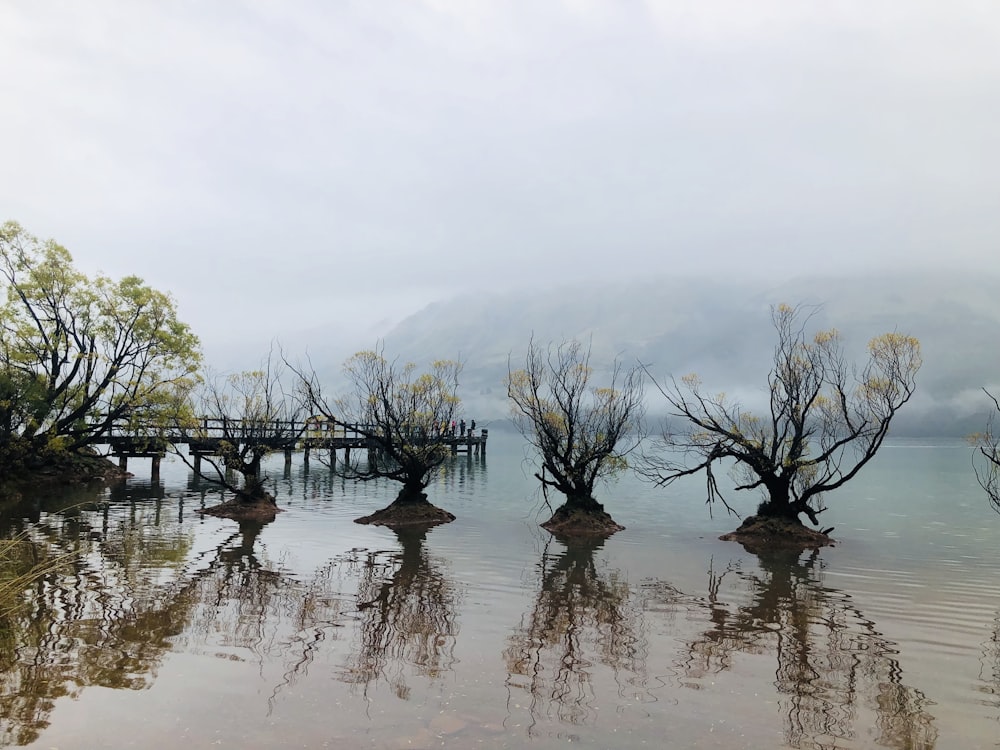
point(722, 330)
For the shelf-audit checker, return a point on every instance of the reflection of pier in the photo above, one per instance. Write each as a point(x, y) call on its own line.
point(205, 437)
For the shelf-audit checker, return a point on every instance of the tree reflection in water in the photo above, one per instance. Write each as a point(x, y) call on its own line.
point(835, 671)
point(583, 616)
point(248, 605)
point(131, 592)
point(406, 612)
point(97, 619)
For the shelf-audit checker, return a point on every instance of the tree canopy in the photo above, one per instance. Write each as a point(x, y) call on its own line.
point(247, 415)
point(403, 412)
point(77, 353)
point(826, 419)
point(582, 432)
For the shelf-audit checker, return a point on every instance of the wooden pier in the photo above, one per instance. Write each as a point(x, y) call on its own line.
point(206, 438)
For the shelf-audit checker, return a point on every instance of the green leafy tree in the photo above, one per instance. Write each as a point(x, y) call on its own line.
point(80, 354)
point(582, 432)
point(825, 421)
point(403, 414)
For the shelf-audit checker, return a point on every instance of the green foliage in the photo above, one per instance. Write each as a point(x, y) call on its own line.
point(78, 354)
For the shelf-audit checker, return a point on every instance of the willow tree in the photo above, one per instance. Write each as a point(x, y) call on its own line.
point(400, 411)
point(581, 432)
point(79, 354)
point(987, 460)
point(825, 420)
point(242, 418)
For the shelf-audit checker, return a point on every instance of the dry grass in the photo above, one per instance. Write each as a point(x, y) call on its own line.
point(22, 562)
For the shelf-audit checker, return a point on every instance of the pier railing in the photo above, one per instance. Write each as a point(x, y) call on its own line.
point(203, 436)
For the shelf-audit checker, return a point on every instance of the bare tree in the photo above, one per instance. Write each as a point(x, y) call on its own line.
point(986, 463)
point(825, 421)
point(405, 416)
point(582, 432)
point(243, 417)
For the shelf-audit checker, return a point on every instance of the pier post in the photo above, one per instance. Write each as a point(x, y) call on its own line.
point(154, 470)
point(123, 462)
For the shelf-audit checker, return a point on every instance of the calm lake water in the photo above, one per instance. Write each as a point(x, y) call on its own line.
point(172, 630)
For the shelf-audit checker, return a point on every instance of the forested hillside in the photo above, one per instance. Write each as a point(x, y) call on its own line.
point(722, 330)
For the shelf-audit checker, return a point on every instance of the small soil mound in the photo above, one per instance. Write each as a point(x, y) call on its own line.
point(262, 510)
point(761, 532)
point(83, 467)
point(400, 515)
point(577, 522)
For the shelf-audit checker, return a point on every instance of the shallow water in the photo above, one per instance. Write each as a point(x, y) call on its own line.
point(171, 629)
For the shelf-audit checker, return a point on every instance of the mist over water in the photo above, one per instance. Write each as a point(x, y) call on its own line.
point(312, 631)
point(721, 329)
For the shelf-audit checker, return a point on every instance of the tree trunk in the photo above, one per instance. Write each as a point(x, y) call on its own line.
point(581, 515)
point(583, 502)
point(253, 487)
point(778, 504)
point(411, 494)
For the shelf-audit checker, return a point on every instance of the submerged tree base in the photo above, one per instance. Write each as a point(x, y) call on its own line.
point(758, 533)
point(576, 521)
point(408, 510)
point(400, 515)
point(259, 509)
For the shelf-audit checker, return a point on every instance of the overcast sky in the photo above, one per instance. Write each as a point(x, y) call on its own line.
point(282, 165)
